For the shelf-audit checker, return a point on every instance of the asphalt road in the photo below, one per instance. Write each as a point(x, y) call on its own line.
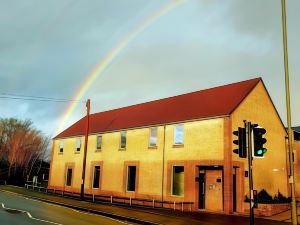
point(44, 213)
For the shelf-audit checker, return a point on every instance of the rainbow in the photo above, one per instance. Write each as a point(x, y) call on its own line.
point(112, 54)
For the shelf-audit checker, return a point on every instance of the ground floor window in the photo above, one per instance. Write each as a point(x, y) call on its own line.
point(96, 177)
point(69, 177)
point(178, 180)
point(131, 177)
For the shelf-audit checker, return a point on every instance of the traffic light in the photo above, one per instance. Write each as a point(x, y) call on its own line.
point(240, 142)
point(254, 199)
point(258, 149)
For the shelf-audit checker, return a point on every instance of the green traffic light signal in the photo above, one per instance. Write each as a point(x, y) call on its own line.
point(259, 150)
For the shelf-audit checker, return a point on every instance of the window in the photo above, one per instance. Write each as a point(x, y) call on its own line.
point(131, 174)
point(178, 134)
point(296, 136)
point(61, 146)
point(96, 177)
point(178, 180)
point(99, 142)
point(69, 177)
point(153, 137)
point(78, 144)
point(123, 140)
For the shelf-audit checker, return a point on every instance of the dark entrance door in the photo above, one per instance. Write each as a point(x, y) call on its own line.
point(202, 189)
point(234, 189)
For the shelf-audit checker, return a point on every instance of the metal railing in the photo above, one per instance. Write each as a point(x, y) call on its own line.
point(149, 203)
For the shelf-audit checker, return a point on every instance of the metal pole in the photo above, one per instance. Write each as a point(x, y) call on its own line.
point(87, 126)
point(249, 148)
point(288, 109)
point(163, 168)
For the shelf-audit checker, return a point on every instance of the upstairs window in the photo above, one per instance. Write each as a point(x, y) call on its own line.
point(178, 180)
point(99, 143)
point(153, 137)
point(61, 146)
point(296, 136)
point(78, 144)
point(123, 140)
point(178, 134)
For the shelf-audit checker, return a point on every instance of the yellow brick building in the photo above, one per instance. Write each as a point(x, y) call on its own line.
point(296, 150)
point(176, 149)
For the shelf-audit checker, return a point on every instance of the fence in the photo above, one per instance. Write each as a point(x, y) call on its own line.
point(150, 203)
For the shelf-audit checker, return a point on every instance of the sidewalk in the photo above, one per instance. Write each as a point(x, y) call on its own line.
point(148, 215)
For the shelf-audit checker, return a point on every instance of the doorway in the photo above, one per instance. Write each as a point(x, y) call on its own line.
point(234, 189)
point(211, 188)
point(201, 189)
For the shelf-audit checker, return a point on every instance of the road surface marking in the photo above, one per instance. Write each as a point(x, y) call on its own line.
point(29, 215)
point(52, 204)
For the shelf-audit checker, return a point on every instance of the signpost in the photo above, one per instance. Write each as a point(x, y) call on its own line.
point(85, 147)
point(248, 128)
point(250, 144)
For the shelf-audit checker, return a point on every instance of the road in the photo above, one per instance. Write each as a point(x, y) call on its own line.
point(44, 214)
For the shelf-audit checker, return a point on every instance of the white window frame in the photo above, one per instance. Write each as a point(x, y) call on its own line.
point(78, 140)
point(150, 129)
point(101, 138)
point(175, 134)
point(61, 146)
point(123, 132)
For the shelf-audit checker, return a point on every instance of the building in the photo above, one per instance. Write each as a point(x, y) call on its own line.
point(176, 149)
point(296, 150)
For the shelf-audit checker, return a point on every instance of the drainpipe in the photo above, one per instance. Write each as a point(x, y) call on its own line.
point(163, 168)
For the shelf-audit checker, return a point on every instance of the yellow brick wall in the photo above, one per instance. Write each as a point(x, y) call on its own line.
point(269, 172)
point(296, 149)
point(203, 140)
point(59, 162)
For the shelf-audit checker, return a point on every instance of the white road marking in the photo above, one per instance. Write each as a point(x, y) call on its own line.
point(91, 214)
point(29, 215)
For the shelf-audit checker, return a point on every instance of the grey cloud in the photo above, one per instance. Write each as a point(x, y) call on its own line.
point(48, 49)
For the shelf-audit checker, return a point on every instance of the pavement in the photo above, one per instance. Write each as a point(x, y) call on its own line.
point(60, 214)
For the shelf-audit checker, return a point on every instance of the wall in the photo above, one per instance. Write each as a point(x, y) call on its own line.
point(269, 172)
point(203, 141)
point(296, 149)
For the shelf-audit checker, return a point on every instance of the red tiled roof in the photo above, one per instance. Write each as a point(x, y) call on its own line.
point(213, 102)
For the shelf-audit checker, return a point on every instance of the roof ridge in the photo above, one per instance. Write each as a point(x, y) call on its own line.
point(219, 100)
point(175, 96)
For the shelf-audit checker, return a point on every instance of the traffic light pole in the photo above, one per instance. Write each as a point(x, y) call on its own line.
point(288, 106)
point(248, 128)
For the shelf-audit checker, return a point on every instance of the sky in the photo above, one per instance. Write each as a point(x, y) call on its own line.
point(49, 48)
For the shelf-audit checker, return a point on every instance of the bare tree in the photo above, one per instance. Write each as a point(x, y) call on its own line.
point(21, 146)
